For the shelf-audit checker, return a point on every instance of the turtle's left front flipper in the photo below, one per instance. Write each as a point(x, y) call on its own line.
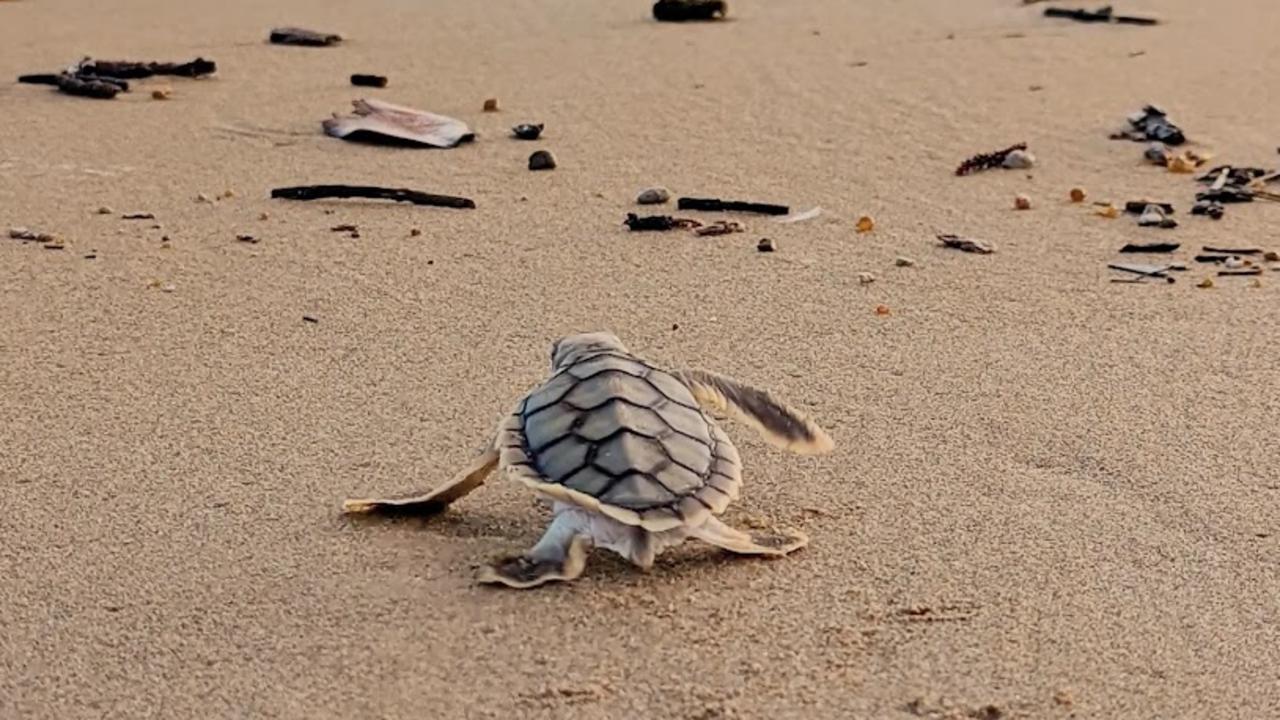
point(777, 422)
point(435, 501)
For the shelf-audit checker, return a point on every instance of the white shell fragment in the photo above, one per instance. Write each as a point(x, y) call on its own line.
point(800, 217)
point(383, 120)
point(1019, 160)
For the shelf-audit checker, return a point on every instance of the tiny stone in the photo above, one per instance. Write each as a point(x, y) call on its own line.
point(1157, 153)
point(653, 196)
point(1271, 256)
point(1019, 160)
point(882, 310)
point(1205, 283)
point(227, 194)
point(1022, 202)
point(542, 160)
point(527, 131)
point(901, 261)
point(247, 239)
point(865, 224)
point(264, 216)
point(1108, 211)
point(161, 93)
point(866, 278)
point(765, 245)
point(414, 232)
point(202, 198)
point(168, 287)
point(1078, 195)
point(491, 105)
point(104, 210)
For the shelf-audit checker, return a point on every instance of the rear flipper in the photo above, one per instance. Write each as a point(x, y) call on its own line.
point(757, 543)
point(561, 555)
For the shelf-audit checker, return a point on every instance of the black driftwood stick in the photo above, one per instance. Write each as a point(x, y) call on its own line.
point(133, 70)
point(716, 205)
point(57, 79)
point(88, 87)
point(368, 80)
point(317, 192)
point(1104, 15)
point(302, 36)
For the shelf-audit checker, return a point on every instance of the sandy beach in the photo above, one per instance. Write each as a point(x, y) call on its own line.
point(1052, 495)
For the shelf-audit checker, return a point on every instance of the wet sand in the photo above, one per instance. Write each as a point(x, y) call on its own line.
point(1052, 495)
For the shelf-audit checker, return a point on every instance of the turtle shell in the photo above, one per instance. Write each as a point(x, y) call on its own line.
point(612, 433)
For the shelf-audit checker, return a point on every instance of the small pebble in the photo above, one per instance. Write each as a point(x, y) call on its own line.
point(1271, 256)
point(369, 80)
point(227, 194)
point(1108, 211)
point(414, 232)
point(491, 105)
point(264, 216)
point(901, 261)
point(1157, 153)
point(161, 93)
point(1182, 164)
point(168, 287)
point(202, 198)
point(1022, 202)
point(866, 278)
point(1078, 195)
point(653, 196)
point(1019, 160)
point(527, 131)
point(765, 245)
point(882, 310)
point(104, 210)
point(247, 239)
point(865, 224)
point(542, 160)
point(1205, 283)
point(1235, 263)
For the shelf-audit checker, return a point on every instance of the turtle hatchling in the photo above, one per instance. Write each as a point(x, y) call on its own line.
point(630, 456)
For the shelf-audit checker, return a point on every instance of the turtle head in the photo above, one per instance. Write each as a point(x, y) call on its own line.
point(572, 348)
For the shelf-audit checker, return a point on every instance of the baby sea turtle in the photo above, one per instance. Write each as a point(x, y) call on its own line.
point(630, 457)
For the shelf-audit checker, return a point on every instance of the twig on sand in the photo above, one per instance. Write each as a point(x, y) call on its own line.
point(317, 192)
point(1102, 15)
point(717, 205)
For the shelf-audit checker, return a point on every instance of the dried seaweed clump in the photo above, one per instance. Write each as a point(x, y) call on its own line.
point(986, 161)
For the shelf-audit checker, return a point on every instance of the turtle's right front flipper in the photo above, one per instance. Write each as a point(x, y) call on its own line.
point(434, 501)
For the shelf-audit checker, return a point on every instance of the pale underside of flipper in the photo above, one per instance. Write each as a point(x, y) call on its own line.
point(777, 422)
point(434, 501)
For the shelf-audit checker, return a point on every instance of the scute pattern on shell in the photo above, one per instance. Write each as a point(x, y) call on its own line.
point(616, 434)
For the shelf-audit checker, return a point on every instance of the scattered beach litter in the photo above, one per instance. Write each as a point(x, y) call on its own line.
point(1151, 123)
point(967, 244)
point(686, 10)
point(809, 214)
point(303, 37)
point(653, 196)
point(658, 223)
point(720, 227)
point(542, 160)
point(717, 205)
point(317, 192)
point(1150, 247)
point(527, 131)
point(383, 122)
point(1103, 14)
point(104, 79)
point(1012, 157)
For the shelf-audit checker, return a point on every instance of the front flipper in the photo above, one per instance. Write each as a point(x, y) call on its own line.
point(560, 555)
point(432, 502)
point(778, 423)
point(757, 543)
